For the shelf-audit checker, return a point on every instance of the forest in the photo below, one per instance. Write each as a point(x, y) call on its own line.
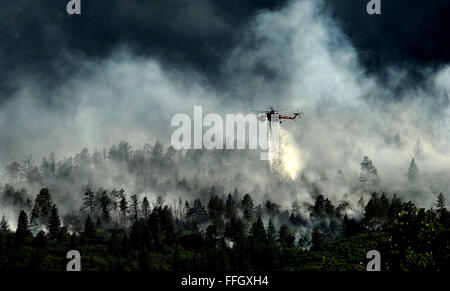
point(132, 210)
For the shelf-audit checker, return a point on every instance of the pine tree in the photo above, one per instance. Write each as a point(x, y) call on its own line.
point(4, 224)
point(413, 172)
point(271, 234)
point(44, 204)
point(372, 211)
point(440, 202)
point(105, 205)
point(235, 229)
point(368, 171)
point(258, 242)
point(319, 206)
point(395, 207)
point(384, 207)
point(444, 215)
point(215, 207)
point(134, 207)
point(22, 227)
point(89, 201)
point(258, 233)
point(317, 240)
point(54, 223)
point(247, 205)
point(123, 209)
point(229, 207)
point(285, 237)
point(145, 208)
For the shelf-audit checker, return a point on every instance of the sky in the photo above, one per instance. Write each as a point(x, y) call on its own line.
point(200, 34)
point(122, 70)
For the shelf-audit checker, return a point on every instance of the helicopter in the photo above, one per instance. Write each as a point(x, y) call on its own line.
point(267, 114)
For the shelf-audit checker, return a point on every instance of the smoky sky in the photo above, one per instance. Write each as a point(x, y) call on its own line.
point(38, 38)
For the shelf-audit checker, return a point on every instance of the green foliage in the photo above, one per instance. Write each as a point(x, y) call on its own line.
point(219, 239)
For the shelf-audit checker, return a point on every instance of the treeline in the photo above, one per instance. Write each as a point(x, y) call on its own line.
point(226, 233)
point(142, 162)
point(159, 168)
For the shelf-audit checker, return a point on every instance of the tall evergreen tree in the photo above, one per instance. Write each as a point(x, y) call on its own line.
point(317, 240)
point(229, 207)
point(54, 223)
point(247, 206)
point(123, 210)
point(44, 204)
point(413, 171)
point(271, 249)
point(145, 208)
point(134, 207)
point(369, 173)
point(394, 208)
point(286, 237)
point(258, 234)
point(22, 230)
point(443, 213)
point(372, 211)
point(89, 201)
point(105, 206)
point(271, 233)
point(440, 202)
point(215, 207)
point(4, 224)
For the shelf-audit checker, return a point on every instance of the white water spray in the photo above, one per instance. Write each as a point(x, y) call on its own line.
point(288, 164)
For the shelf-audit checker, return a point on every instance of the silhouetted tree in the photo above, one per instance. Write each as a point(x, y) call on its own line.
point(215, 207)
point(317, 240)
point(89, 201)
point(44, 204)
point(145, 208)
point(229, 207)
point(443, 213)
point(54, 223)
point(89, 228)
point(22, 230)
point(123, 210)
point(105, 206)
point(413, 171)
point(4, 224)
point(286, 237)
point(247, 206)
point(134, 207)
point(368, 172)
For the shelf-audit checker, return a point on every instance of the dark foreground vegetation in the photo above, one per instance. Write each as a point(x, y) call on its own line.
point(227, 234)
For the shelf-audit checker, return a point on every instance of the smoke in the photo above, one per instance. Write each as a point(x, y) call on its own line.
point(296, 55)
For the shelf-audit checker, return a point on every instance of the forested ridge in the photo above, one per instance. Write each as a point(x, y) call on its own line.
point(207, 228)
